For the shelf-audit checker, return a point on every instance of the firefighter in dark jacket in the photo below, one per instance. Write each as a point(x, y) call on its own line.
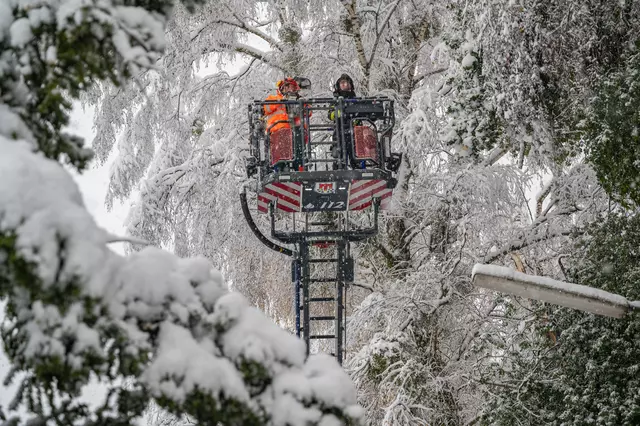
point(344, 88)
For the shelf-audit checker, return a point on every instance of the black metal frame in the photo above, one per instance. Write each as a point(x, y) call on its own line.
point(304, 168)
point(379, 112)
point(302, 278)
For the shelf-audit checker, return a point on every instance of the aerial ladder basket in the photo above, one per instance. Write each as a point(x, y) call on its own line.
point(314, 172)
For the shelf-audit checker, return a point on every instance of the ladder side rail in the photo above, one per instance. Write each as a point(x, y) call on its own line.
point(305, 274)
point(338, 327)
point(295, 264)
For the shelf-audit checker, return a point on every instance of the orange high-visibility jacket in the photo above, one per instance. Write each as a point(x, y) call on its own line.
point(275, 113)
point(278, 113)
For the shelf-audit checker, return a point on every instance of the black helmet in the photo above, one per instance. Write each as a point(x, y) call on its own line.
point(344, 93)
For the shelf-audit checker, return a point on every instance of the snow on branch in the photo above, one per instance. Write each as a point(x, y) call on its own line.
point(255, 53)
point(240, 25)
point(77, 309)
point(525, 241)
point(381, 30)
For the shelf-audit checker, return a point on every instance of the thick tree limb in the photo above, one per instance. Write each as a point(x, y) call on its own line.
point(241, 25)
point(356, 33)
point(526, 241)
point(256, 54)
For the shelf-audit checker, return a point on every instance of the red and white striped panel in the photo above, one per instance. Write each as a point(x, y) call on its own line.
point(286, 195)
point(363, 191)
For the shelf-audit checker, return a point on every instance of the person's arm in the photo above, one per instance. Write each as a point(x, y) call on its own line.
point(331, 114)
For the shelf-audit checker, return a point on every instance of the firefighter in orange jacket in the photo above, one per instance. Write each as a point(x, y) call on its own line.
point(276, 114)
point(277, 118)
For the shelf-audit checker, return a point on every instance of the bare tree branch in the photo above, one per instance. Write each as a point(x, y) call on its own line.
point(380, 32)
point(526, 241)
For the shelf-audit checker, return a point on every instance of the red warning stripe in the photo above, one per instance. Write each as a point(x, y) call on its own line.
point(357, 186)
point(371, 189)
point(281, 196)
point(289, 187)
point(383, 204)
point(285, 195)
point(363, 192)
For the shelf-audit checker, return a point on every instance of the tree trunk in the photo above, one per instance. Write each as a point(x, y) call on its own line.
point(396, 226)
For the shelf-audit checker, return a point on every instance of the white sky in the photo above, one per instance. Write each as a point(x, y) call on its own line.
point(94, 182)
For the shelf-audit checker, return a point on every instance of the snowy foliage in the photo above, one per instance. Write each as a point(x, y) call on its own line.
point(578, 368)
point(612, 134)
point(76, 309)
point(473, 125)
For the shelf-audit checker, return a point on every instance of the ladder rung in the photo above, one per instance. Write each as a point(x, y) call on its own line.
point(322, 318)
point(323, 260)
point(321, 299)
point(321, 160)
point(322, 280)
point(323, 336)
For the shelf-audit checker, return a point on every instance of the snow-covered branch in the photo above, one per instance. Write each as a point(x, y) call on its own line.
point(381, 30)
point(240, 25)
point(526, 241)
point(257, 54)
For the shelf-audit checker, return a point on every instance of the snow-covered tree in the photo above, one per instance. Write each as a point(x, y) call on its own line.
point(77, 311)
point(579, 368)
point(611, 128)
point(183, 136)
